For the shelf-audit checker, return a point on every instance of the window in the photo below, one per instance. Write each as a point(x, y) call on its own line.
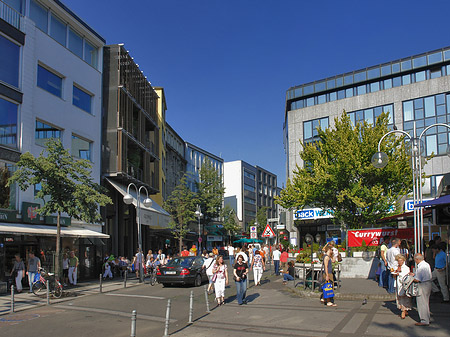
point(81, 148)
point(44, 132)
point(9, 60)
point(249, 188)
point(249, 175)
point(8, 123)
point(90, 54)
point(58, 30)
point(75, 43)
point(420, 76)
point(250, 200)
point(82, 99)
point(374, 87)
point(49, 81)
point(310, 132)
point(39, 15)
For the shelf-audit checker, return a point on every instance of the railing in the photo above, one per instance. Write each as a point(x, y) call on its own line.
point(135, 172)
point(10, 15)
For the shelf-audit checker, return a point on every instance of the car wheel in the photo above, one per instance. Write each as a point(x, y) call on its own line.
point(198, 280)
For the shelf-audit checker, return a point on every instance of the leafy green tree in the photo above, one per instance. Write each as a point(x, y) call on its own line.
point(338, 175)
point(210, 191)
point(4, 189)
point(181, 204)
point(66, 184)
point(229, 221)
point(261, 218)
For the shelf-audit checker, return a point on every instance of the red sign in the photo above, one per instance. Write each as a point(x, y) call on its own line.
point(372, 237)
point(268, 232)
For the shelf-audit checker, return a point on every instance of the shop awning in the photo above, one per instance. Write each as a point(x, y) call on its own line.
point(444, 200)
point(154, 216)
point(42, 230)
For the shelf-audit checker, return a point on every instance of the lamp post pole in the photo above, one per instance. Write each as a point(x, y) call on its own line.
point(380, 159)
point(198, 214)
point(128, 199)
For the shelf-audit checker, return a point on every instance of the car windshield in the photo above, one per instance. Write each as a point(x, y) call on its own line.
point(181, 261)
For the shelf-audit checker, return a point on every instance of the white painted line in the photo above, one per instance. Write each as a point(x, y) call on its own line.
point(139, 296)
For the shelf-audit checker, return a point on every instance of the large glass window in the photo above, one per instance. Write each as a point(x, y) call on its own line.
point(81, 148)
point(39, 15)
point(58, 30)
point(9, 61)
point(82, 99)
point(370, 115)
point(75, 43)
point(250, 200)
point(249, 175)
point(44, 132)
point(8, 123)
point(310, 128)
point(49, 81)
point(90, 54)
point(249, 188)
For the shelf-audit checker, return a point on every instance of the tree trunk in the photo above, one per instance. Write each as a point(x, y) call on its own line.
point(58, 244)
point(181, 244)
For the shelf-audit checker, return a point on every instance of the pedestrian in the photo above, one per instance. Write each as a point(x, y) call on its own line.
point(220, 279)
point(73, 268)
point(240, 271)
point(276, 254)
point(266, 254)
point(184, 252)
point(289, 275)
point(138, 262)
point(65, 263)
point(193, 251)
point(161, 257)
point(107, 272)
point(18, 272)
point(404, 302)
point(429, 257)
point(33, 266)
point(440, 264)
point(392, 263)
point(423, 278)
point(208, 265)
point(258, 268)
point(328, 269)
point(230, 249)
point(215, 251)
point(283, 260)
point(149, 254)
point(384, 273)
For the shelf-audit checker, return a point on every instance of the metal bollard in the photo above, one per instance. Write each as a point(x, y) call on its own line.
point(125, 279)
point(206, 299)
point(166, 327)
point(191, 306)
point(101, 285)
point(12, 298)
point(47, 284)
point(133, 323)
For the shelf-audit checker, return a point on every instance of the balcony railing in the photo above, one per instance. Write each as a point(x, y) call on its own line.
point(135, 172)
point(10, 15)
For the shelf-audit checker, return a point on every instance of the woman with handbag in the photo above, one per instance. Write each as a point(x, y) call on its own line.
point(328, 271)
point(18, 272)
point(404, 303)
point(240, 277)
point(220, 279)
point(258, 268)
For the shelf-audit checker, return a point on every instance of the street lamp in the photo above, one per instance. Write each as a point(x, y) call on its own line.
point(198, 214)
point(416, 151)
point(128, 199)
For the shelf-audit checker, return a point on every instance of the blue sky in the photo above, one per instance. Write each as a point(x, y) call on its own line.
point(226, 64)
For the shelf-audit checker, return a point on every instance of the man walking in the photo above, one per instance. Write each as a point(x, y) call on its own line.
point(423, 278)
point(439, 271)
point(33, 266)
point(276, 260)
point(392, 263)
point(230, 249)
point(384, 275)
point(73, 268)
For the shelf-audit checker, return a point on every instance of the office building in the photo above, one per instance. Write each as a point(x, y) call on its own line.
point(267, 191)
point(175, 159)
point(161, 108)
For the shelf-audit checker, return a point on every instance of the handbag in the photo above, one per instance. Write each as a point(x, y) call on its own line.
point(328, 291)
point(214, 278)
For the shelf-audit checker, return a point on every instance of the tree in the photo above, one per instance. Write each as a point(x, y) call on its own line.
point(210, 191)
point(338, 175)
point(261, 218)
point(229, 220)
point(66, 184)
point(4, 188)
point(181, 204)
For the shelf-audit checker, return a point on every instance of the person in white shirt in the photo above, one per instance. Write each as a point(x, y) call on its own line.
point(276, 260)
point(209, 265)
point(392, 263)
point(230, 249)
point(266, 254)
point(423, 278)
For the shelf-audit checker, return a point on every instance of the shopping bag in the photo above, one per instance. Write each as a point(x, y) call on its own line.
point(328, 290)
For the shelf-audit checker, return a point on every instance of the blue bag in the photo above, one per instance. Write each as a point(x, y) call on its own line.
point(37, 277)
point(328, 290)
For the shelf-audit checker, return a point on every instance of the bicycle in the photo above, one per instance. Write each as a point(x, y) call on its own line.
point(151, 275)
point(39, 288)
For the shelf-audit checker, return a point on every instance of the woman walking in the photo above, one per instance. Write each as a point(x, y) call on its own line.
point(258, 268)
point(328, 267)
point(404, 302)
point(220, 279)
point(240, 277)
point(18, 272)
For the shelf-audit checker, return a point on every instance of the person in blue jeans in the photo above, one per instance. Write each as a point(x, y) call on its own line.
point(276, 260)
point(384, 275)
point(240, 271)
point(289, 274)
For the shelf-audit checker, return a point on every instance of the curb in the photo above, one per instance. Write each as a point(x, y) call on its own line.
point(342, 296)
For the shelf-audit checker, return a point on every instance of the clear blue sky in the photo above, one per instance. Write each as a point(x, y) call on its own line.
point(226, 64)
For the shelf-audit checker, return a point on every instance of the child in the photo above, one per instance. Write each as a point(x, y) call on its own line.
point(107, 271)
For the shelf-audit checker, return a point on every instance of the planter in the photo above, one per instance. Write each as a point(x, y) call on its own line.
point(364, 254)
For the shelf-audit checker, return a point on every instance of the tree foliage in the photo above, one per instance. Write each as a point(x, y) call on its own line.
point(229, 220)
point(181, 204)
point(338, 175)
point(65, 182)
point(261, 218)
point(4, 189)
point(210, 191)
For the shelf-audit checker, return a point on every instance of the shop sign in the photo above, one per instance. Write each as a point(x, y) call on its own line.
point(214, 238)
point(311, 213)
point(9, 215)
point(30, 214)
point(409, 204)
point(53, 220)
point(372, 237)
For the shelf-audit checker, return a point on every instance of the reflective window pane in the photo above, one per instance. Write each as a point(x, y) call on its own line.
point(435, 73)
point(81, 148)
point(435, 58)
point(387, 84)
point(431, 144)
point(406, 65)
point(420, 61)
point(408, 111)
point(447, 54)
point(333, 96)
point(81, 99)
point(361, 89)
point(58, 30)
point(44, 132)
point(39, 15)
point(440, 110)
point(351, 115)
point(440, 99)
point(348, 79)
point(374, 87)
point(320, 86)
point(49, 81)
point(341, 94)
point(406, 79)
point(339, 81)
point(360, 76)
point(75, 43)
point(396, 82)
point(307, 130)
point(309, 89)
point(368, 116)
point(420, 76)
point(373, 73)
point(91, 55)
point(418, 103)
point(429, 107)
point(418, 114)
point(322, 99)
point(331, 84)
point(9, 61)
point(349, 92)
point(8, 123)
point(310, 101)
point(324, 123)
point(395, 68)
point(386, 70)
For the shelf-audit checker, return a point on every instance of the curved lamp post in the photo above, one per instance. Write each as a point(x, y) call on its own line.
point(416, 151)
point(128, 199)
point(198, 213)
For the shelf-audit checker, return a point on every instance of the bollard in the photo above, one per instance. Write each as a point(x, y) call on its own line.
point(133, 323)
point(12, 298)
point(101, 285)
point(191, 306)
point(166, 327)
point(206, 299)
point(47, 284)
point(125, 279)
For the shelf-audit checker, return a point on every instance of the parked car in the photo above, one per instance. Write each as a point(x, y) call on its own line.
point(182, 270)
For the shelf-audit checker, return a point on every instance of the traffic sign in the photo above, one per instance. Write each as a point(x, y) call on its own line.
point(268, 232)
point(253, 235)
point(253, 229)
point(200, 239)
